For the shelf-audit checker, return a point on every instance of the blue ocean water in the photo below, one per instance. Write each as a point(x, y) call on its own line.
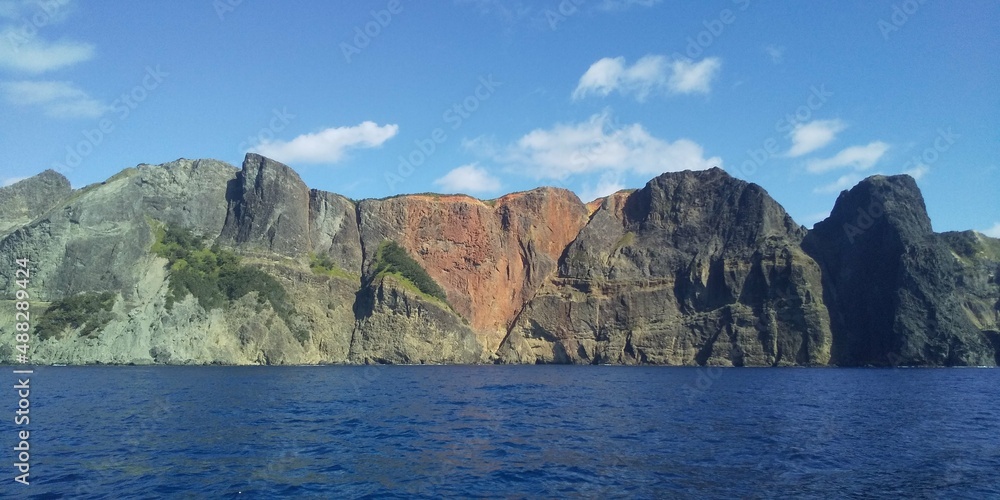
point(508, 432)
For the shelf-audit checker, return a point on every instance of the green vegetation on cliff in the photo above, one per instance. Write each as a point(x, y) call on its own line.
point(91, 311)
point(215, 275)
point(325, 266)
point(391, 258)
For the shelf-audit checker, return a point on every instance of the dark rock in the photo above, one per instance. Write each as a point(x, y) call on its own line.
point(268, 208)
point(695, 268)
point(891, 283)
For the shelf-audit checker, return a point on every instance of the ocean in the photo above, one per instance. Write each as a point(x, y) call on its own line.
point(506, 432)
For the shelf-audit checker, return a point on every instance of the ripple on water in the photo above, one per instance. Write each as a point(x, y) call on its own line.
point(428, 432)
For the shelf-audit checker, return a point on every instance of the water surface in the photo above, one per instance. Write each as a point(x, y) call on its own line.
point(509, 432)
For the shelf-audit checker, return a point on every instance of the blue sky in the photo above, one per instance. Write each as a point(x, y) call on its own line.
point(371, 99)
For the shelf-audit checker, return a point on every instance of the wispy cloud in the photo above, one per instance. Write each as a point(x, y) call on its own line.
point(38, 56)
point(857, 157)
point(597, 145)
point(842, 183)
point(56, 99)
point(329, 145)
point(918, 172)
point(808, 137)
point(38, 12)
point(776, 53)
point(993, 232)
point(650, 74)
point(469, 179)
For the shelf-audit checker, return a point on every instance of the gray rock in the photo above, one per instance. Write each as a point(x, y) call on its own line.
point(23, 201)
point(268, 208)
point(333, 229)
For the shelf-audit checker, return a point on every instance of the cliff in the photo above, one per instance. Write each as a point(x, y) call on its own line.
point(201, 262)
point(695, 268)
point(899, 293)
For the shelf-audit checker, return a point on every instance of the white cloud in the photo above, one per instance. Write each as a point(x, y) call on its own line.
point(776, 53)
point(327, 146)
point(842, 183)
point(57, 99)
point(993, 232)
point(918, 172)
point(468, 179)
point(35, 55)
point(651, 73)
point(856, 157)
point(691, 77)
point(11, 180)
point(21, 46)
point(606, 185)
point(808, 137)
point(596, 145)
point(602, 78)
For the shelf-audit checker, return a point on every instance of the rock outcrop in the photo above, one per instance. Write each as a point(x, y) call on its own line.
point(898, 293)
point(696, 268)
point(22, 201)
point(96, 239)
point(398, 324)
point(268, 208)
point(489, 257)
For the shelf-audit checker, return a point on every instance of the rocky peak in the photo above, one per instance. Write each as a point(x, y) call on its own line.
point(890, 281)
point(691, 205)
point(678, 215)
point(876, 205)
point(24, 200)
point(268, 208)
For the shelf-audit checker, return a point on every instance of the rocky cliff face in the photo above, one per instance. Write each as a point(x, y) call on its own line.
point(695, 268)
point(899, 294)
point(92, 240)
point(22, 201)
point(490, 258)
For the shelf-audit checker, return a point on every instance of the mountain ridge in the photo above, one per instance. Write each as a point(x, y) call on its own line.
point(695, 268)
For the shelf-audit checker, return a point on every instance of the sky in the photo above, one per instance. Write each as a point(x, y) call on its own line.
point(376, 98)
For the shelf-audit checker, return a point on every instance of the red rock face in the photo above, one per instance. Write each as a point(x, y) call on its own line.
point(490, 257)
